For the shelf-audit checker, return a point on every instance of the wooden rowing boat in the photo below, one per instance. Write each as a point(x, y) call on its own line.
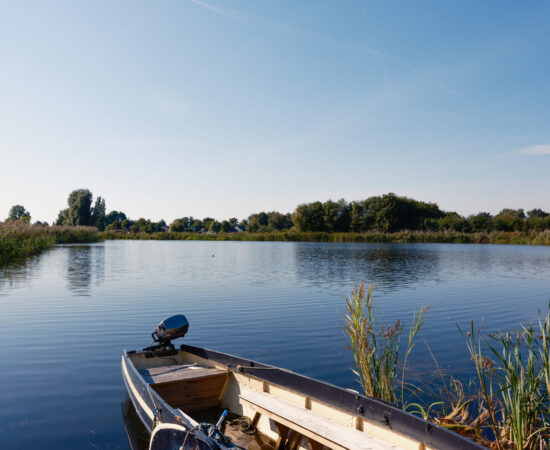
point(175, 391)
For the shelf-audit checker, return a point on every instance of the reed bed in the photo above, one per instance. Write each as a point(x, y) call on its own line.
point(19, 239)
point(506, 405)
point(427, 237)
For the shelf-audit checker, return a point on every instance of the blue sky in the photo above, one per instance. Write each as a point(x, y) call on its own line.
point(224, 108)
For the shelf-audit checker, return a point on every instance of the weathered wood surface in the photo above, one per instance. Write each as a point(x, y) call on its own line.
point(168, 374)
point(193, 393)
point(311, 425)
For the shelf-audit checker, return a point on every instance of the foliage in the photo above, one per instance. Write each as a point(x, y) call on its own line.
point(514, 389)
point(376, 350)
point(98, 214)
point(80, 208)
point(18, 212)
point(19, 239)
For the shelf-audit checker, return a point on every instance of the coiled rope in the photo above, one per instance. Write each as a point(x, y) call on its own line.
point(242, 424)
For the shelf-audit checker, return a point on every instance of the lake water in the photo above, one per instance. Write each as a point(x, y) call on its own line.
point(66, 315)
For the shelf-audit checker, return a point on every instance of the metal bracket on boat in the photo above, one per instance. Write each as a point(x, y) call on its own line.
point(156, 417)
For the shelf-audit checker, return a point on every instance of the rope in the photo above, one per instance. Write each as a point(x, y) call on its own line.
point(243, 424)
point(187, 435)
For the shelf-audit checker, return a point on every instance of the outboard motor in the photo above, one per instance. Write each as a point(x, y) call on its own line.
point(170, 328)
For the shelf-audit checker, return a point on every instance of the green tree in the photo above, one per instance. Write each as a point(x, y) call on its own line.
point(142, 226)
point(62, 217)
point(509, 220)
point(225, 226)
point(98, 214)
point(453, 221)
point(80, 207)
point(114, 225)
point(537, 212)
point(18, 212)
point(178, 225)
point(257, 222)
point(480, 222)
point(214, 226)
point(309, 217)
point(336, 216)
point(115, 216)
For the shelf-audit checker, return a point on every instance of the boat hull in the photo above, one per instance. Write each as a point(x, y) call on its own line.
point(361, 410)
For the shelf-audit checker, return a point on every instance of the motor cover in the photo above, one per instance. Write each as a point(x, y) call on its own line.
point(172, 327)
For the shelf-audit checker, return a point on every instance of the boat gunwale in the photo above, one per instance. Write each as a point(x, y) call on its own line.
point(370, 409)
point(154, 397)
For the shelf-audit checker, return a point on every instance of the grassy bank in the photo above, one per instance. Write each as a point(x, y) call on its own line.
point(496, 237)
point(19, 239)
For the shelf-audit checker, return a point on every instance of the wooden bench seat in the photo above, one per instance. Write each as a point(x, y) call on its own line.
point(178, 372)
point(311, 425)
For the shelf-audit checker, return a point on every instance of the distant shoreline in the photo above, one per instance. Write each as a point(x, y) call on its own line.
point(402, 237)
point(19, 240)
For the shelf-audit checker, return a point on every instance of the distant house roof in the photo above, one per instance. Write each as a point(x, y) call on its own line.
point(238, 229)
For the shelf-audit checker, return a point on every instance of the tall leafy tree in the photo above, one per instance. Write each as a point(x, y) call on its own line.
point(18, 212)
point(80, 207)
point(98, 213)
point(225, 226)
point(309, 217)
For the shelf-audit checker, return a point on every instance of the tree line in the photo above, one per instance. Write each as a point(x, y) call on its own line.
point(387, 213)
point(390, 213)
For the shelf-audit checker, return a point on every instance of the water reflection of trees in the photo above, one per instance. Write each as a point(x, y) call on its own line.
point(390, 266)
point(85, 265)
point(18, 274)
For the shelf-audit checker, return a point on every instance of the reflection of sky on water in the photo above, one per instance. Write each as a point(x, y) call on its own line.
point(66, 315)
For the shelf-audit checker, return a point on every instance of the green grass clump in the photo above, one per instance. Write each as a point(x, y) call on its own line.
point(19, 239)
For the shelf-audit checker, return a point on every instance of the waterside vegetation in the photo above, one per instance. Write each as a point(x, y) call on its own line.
point(505, 406)
point(19, 239)
point(402, 237)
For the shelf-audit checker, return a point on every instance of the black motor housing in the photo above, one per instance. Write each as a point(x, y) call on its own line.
point(172, 328)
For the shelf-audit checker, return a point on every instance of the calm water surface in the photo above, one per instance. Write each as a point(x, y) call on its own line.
point(66, 315)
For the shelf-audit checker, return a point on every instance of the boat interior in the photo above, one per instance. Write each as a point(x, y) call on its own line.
point(262, 415)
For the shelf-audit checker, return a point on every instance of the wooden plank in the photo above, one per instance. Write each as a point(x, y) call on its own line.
point(311, 425)
point(193, 393)
point(168, 374)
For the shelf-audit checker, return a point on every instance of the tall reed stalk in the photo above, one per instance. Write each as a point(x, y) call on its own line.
point(376, 350)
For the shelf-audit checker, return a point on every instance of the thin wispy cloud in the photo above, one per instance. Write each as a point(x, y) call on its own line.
point(261, 22)
point(141, 142)
point(543, 149)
